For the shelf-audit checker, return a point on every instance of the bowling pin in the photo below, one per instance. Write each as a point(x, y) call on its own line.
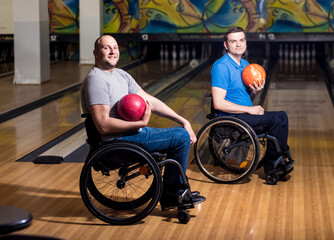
point(313, 51)
point(166, 51)
point(56, 53)
point(174, 54)
point(193, 52)
point(291, 52)
point(302, 53)
point(161, 51)
point(280, 51)
point(187, 52)
point(308, 52)
point(297, 52)
point(297, 64)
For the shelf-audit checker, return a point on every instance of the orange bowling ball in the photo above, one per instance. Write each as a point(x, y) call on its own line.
point(253, 73)
point(131, 107)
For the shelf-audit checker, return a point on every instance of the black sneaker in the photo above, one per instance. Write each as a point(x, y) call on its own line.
point(168, 203)
point(188, 203)
point(195, 193)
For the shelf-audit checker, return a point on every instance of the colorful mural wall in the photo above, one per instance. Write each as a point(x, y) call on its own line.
point(200, 16)
point(64, 16)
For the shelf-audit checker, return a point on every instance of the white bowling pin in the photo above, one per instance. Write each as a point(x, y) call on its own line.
point(280, 51)
point(302, 52)
point(297, 52)
point(187, 52)
point(313, 51)
point(166, 51)
point(291, 52)
point(308, 52)
point(174, 54)
point(161, 51)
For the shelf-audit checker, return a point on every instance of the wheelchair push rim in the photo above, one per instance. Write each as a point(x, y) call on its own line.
point(121, 183)
point(227, 150)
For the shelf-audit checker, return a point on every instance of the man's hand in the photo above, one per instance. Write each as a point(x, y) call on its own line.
point(147, 114)
point(257, 86)
point(188, 127)
point(256, 110)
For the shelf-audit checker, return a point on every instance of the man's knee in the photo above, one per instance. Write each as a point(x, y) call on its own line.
point(283, 118)
point(181, 137)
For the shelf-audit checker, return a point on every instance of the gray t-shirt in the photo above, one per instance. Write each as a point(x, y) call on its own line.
point(100, 87)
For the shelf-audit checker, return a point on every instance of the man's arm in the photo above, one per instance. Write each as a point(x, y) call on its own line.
point(106, 124)
point(161, 109)
point(219, 103)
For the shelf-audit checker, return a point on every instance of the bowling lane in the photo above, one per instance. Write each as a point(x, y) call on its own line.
point(148, 72)
point(25, 133)
point(299, 89)
point(63, 75)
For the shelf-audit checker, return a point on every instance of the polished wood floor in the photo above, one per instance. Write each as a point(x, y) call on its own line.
point(299, 208)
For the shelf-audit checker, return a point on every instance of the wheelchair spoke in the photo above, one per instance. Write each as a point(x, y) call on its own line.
point(226, 150)
point(129, 188)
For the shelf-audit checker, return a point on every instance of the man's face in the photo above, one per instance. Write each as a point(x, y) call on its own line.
point(236, 43)
point(107, 54)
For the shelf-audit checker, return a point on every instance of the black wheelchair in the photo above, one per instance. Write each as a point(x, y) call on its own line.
point(228, 150)
point(121, 183)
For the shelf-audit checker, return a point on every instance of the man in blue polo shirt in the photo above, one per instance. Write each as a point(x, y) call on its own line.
point(231, 97)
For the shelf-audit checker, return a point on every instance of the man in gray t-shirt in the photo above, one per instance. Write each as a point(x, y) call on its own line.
point(104, 86)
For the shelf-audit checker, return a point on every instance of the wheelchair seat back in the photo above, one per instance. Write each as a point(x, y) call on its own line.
point(93, 135)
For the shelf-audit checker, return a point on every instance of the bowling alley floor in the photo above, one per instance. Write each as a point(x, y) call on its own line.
point(62, 76)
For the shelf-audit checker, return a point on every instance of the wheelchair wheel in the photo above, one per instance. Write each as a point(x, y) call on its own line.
point(121, 183)
point(227, 150)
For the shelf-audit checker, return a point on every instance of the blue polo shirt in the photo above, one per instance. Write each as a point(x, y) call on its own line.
point(226, 74)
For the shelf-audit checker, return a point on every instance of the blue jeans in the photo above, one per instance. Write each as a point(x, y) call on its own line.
point(173, 141)
point(277, 124)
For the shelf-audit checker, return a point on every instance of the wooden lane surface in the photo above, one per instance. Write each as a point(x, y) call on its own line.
point(24, 134)
point(299, 208)
point(62, 75)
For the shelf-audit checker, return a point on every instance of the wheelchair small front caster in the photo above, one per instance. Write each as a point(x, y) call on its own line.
point(272, 178)
point(183, 216)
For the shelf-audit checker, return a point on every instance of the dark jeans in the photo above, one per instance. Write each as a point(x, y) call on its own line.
point(173, 141)
point(277, 125)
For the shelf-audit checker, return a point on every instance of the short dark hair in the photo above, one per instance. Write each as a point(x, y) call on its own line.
point(97, 43)
point(233, 30)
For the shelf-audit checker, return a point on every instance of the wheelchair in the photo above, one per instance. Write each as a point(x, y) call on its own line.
point(121, 183)
point(228, 150)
